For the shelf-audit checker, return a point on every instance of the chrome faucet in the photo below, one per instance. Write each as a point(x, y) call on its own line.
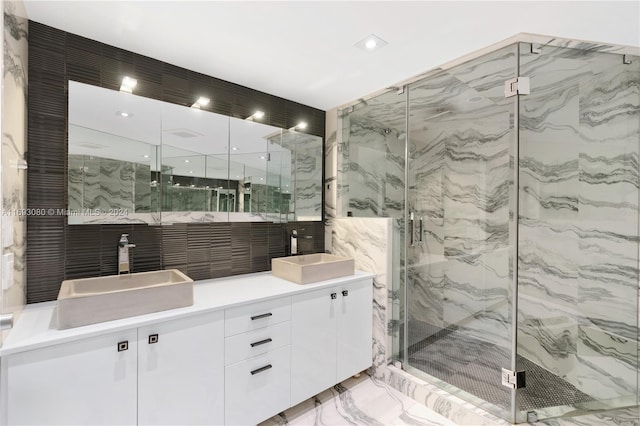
point(123, 254)
point(295, 236)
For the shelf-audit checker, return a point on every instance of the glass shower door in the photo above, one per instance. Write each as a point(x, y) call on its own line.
point(459, 235)
point(578, 231)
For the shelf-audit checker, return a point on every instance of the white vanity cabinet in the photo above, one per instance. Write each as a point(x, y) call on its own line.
point(167, 373)
point(249, 348)
point(331, 337)
point(90, 381)
point(181, 371)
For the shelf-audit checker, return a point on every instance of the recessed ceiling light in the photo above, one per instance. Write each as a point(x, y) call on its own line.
point(235, 148)
point(191, 171)
point(186, 161)
point(262, 157)
point(145, 156)
point(371, 43)
point(302, 125)
point(124, 114)
point(128, 84)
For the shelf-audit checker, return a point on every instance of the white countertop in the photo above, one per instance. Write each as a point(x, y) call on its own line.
point(36, 327)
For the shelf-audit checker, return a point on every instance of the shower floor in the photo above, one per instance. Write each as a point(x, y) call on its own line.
point(474, 366)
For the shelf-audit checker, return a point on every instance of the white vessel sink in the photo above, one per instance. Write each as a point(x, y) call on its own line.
point(311, 268)
point(93, 300)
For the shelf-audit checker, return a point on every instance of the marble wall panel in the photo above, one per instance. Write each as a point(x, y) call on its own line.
point(142, 189)
point(579, 218)
point(76, 182)
point(14, 107)
point(369, 242)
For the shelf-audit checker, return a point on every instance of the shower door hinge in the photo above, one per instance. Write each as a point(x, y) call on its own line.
point(517, 86)
point(513, 379)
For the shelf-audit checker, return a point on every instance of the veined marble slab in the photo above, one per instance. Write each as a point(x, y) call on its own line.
point(15, 29)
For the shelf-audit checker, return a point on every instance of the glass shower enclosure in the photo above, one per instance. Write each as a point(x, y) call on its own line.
point(514, 181)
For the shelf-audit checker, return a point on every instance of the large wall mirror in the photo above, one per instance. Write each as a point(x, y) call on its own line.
point(138, 160)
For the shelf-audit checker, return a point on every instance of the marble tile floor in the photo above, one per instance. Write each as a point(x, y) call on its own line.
point(621, 417)
point(366, 401)
point(359, 401)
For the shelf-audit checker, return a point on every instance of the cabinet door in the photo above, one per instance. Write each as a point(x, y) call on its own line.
point(354, 328)
point(313, 343)
point(77, 383)
point(258, 388)
point(181, 371)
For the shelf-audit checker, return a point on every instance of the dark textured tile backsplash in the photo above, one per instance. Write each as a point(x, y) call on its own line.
point(201, 250)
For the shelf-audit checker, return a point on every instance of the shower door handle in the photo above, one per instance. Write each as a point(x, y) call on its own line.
point(410, 230)
point(420, 230)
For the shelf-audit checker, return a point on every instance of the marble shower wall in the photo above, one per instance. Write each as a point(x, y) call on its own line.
point(578, 245)
point(370, 160)
point(460, 141)
point(14, 108)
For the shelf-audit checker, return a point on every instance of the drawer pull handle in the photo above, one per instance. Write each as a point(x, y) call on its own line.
point(333, 296)
point(261, 369)
point(153, 338)
point(256, 317)
point(345, 292)
point(123, 346)
point(261, 342)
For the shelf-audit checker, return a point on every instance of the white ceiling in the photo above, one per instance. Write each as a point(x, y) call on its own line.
point(304, 50)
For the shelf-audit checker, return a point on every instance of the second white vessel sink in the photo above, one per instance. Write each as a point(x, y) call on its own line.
point(93, 300)
point(311, 268)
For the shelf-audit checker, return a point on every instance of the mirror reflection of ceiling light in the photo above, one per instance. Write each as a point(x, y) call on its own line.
point(201, 102)
point(301, 125)
point(128, 84)
point(371, 43)
point(255, 116)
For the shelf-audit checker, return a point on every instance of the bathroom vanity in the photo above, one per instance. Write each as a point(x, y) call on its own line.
point(250, 347)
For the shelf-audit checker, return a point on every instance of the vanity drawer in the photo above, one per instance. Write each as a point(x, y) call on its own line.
point(256, 315)
point(252, 343)
point(258, 388)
